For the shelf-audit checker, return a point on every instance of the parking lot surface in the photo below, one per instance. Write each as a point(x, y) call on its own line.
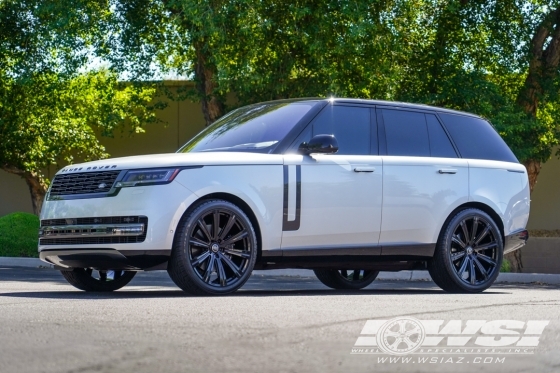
point(273, 324)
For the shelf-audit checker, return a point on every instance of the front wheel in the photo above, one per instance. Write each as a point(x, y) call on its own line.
point(469, 253)
point(346, 279)
point(88, 279)
point(215, 249)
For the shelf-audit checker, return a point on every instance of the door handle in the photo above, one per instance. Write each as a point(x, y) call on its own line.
point(447, 171)
point(364, 169)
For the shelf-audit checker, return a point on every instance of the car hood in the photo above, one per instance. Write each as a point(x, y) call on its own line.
point(174, 160)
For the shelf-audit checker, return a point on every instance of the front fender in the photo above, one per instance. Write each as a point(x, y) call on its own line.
point(259, 186)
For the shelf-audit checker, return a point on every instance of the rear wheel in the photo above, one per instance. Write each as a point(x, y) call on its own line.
point(214, 251)
point(346, 279)
point(88, 279)
point(469, 253)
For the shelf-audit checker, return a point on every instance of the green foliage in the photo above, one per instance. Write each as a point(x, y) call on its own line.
point(19, 235)
point(52, 107)
point(466, 55)
point(47, 119)
point(506, 266)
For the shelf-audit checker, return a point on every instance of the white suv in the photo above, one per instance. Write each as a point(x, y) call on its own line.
point(345, 187)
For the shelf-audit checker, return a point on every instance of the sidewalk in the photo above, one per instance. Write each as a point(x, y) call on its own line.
point(520, 278)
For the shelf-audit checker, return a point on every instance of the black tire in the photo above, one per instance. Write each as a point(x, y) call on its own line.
point(214, 250)
point(346, 279)
point(99, 281)
point(468, 254)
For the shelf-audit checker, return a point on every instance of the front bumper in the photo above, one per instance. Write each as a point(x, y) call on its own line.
point(515, 241)
point(132, 230)
point(105, 259)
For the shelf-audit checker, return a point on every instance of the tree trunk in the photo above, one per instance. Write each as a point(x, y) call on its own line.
point(38, 191)
point(533, 170)
point(36, 184)
point(205, 73)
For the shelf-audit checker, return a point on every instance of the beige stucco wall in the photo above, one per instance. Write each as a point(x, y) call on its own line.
point(545, 200)
point(185, 120)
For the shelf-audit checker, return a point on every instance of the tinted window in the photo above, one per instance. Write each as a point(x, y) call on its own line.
point(440, 146)
point(476, 138)
point(350, 125)
point(251, 128)
point(406, 133)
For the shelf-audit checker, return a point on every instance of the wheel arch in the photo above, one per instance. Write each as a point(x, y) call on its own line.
point(477, 205)
point(239, 202)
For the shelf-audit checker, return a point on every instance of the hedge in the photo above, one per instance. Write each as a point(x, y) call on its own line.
point(19, 235)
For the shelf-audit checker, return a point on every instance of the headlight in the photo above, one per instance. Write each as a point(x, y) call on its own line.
point(148, 177)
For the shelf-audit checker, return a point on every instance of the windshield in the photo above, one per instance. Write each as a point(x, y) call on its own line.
point(255, 128)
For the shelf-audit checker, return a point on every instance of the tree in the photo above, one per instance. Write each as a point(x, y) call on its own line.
point(263, 50)
point(47, 120)
point(49, 111)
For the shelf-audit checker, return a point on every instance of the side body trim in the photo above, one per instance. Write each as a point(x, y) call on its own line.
point(292, 225)
point(409, 250)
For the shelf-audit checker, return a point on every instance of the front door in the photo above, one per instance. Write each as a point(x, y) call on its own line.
point(333, 201)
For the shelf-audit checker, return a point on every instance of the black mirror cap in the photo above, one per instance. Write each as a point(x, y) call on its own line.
point(322, 144)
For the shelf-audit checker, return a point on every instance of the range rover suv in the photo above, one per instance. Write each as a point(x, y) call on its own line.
point(345, 187)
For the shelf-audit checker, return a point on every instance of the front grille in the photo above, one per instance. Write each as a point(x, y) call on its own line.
point(93, 240)
point(83, 183)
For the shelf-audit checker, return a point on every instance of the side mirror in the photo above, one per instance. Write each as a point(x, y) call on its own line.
point(323, 144)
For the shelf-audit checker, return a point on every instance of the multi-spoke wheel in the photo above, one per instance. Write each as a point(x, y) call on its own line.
point(215, 249)
point(469, 253)
point(346, 279)
point(93, 280)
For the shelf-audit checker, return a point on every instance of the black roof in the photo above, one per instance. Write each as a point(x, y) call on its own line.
point(406, 105)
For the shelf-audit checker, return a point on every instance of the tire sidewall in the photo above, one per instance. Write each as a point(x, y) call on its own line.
point(446, 244)
point(366, 281)
point(83, 281)
point(190, 224)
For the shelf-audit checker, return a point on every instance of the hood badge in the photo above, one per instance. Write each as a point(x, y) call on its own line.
point(71, 169)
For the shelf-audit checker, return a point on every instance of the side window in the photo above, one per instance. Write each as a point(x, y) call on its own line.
point(406, 133)
point(350, 125)
point(476, 138)
point(440, 146)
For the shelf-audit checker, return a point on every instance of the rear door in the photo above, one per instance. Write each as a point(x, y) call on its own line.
point(423, 181)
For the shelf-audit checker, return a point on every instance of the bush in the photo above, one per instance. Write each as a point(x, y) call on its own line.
point(506, 266)
point(19, 235)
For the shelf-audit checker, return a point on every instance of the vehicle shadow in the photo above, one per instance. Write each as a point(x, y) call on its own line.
point(153, 285)
point(146, 293)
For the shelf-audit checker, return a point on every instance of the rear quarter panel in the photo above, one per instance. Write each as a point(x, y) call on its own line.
point(504, 187)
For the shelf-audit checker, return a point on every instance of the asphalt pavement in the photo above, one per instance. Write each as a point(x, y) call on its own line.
point(273, 324)
point(519, 278)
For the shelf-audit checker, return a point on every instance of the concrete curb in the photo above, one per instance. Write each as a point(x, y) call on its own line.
point(523, 278)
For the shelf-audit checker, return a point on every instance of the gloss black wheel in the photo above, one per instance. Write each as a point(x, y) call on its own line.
point(469, 253)
point(346, 278)
point(88, 279)
point(214, 250)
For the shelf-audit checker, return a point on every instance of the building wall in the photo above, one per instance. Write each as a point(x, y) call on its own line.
point(185, 119)
point(545, 199)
